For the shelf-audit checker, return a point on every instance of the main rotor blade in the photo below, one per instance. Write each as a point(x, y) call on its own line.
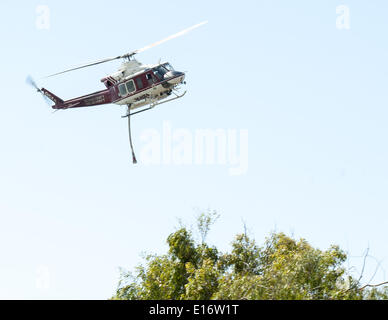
point(129, 55)
point(176, 35)
point(85, 66)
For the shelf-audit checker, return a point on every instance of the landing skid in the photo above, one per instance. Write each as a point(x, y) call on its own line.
point(153, 105)
point(129, 115)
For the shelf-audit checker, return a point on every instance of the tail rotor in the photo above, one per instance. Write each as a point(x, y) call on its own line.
point(30, 81)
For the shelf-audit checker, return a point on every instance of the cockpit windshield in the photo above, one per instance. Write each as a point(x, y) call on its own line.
point(160, 71)
point(168, 67)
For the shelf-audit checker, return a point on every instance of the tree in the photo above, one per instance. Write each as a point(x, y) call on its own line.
point(283, 268)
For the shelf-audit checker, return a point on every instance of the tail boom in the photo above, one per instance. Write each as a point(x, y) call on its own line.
point(52, 96)
point(93, 99)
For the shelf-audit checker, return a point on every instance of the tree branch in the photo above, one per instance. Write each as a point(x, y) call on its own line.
point(373, 285)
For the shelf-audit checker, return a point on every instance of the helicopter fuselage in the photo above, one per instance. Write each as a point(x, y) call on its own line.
point(134, 87)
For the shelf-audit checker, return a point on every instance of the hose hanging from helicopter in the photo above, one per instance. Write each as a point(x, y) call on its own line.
point(134, 161)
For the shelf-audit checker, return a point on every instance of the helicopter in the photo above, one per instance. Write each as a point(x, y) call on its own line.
point(139, 86)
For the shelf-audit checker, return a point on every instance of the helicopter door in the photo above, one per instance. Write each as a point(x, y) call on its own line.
point(139, 83)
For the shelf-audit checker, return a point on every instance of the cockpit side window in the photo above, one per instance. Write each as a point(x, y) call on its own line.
point(149, 78)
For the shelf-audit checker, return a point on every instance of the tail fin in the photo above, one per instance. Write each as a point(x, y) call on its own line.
point(52, 97)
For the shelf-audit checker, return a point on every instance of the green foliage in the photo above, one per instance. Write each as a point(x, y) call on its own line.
point(283, 268)
point(182, 246)
point(204, 222)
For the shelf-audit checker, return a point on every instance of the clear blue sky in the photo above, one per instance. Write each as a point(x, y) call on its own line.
point(312, 97)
